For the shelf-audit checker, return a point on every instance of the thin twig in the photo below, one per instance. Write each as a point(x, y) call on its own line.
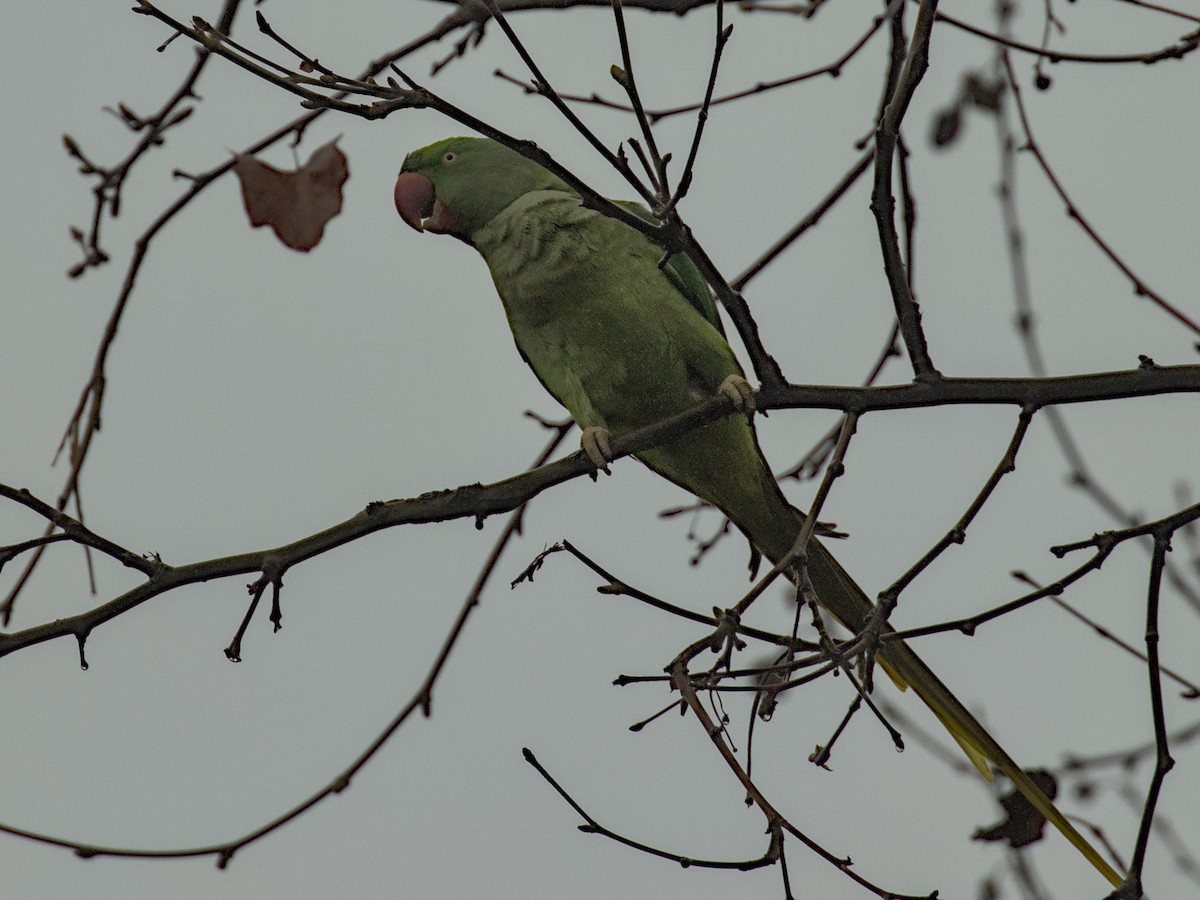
point(1185, 45)
point(1163, 763)
point(594, 827)
point(1191, 691)
point(422, 700)
point(615, 587)
point(1140, 288)
point(958, 534)
point(827, 203)
point(1103, 544)
point(547, 90)
point(683, 685)
point(84, 422)
point(1079, 474)
point(883, 204)
point(685, 178)
point(625, 77)
point(832, 70)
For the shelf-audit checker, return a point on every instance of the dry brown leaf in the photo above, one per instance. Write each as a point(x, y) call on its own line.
point(295, 204)
point(1024, 824)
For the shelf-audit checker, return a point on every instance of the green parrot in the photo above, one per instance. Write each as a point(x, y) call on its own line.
point(623, 342)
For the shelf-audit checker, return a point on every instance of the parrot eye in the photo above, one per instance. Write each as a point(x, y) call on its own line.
point(449, 156)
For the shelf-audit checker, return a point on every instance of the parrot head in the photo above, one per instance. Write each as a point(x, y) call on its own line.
point(458, 185)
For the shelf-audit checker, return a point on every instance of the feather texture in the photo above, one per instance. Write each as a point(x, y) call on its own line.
point(623, 342)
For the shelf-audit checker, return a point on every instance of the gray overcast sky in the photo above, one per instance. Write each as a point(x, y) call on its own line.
point(256, 395)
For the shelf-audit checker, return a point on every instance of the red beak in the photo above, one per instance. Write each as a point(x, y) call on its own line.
point(414, 196)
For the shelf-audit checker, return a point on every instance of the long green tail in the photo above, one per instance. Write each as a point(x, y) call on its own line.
point(845, 599)
point(723, 464)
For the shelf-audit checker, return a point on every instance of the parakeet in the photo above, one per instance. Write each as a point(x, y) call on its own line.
point(622, 342)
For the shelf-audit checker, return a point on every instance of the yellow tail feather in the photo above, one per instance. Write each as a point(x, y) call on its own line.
point(838, 592)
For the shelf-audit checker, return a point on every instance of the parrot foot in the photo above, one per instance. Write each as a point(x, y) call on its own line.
point(594, 442)
point(738, 389)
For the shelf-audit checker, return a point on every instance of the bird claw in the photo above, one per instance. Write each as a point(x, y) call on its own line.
point(738, 390)
point(594, 442)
